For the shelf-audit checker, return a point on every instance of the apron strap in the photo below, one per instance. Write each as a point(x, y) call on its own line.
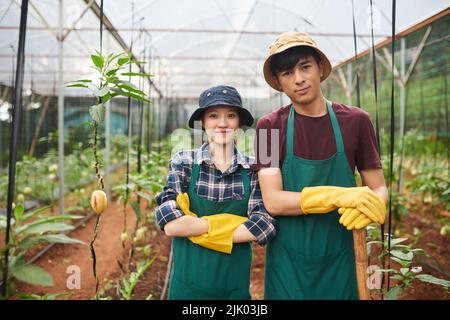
point(334, 123)
point(194, 176)
point(336, 128)
point(246, 181)
point(290, 133)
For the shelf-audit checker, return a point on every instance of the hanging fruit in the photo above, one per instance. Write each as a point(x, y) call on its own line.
point(20, 198)
point(124, 236)
point(99, 201)
point(27, 190)
point(53, 168)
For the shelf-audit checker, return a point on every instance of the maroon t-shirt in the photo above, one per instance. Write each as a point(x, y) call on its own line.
point(314, 139)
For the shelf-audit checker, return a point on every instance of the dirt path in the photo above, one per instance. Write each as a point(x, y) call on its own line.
point(108, 250)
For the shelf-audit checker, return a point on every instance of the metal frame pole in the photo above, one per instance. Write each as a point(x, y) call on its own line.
point(61, 112)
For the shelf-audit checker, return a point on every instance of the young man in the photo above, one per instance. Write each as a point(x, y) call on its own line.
point(313, 146)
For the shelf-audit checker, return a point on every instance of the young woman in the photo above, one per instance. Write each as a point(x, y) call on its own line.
point(212, 206)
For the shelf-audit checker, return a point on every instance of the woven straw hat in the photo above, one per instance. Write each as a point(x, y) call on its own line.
point(288, 40)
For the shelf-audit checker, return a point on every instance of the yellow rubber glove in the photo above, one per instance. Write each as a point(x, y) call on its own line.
point(184, 204)
point(220, 232)
point(352, 218)
point(324, 199)
point(220, 227)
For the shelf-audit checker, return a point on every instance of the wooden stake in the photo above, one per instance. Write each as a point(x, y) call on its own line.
point(359, 243)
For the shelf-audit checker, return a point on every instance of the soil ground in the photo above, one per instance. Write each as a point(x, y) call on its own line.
point(110, 255)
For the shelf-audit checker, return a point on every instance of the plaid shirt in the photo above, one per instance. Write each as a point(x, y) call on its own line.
point(214, 185)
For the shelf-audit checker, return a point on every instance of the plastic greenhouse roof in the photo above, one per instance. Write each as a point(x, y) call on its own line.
point(194, 44)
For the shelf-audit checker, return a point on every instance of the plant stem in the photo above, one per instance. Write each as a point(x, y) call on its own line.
point(96, 164)
point(94, 259)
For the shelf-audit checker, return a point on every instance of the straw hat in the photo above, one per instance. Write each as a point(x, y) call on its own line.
point(288, 40)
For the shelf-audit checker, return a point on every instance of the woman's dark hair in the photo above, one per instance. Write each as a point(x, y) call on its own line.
point(287, 59)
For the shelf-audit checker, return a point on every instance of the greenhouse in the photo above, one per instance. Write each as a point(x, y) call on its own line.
point(136, 160)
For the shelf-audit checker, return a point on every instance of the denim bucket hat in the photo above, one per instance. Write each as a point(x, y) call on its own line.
point(221, 96)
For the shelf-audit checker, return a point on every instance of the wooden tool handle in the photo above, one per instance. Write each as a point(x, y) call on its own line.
point(359, 243)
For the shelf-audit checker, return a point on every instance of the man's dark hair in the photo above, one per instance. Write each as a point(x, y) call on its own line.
point(287, 59)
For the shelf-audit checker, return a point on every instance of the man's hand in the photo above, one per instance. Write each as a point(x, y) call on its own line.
point(324, 199)
point(352, 218)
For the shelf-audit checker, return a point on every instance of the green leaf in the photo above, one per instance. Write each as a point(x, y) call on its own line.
point(399, 246)
point(122, 61)
point(430, 279)
point(29, 296)
point(101, 92)
point(393, 293)
point(78, 85)
point(97, 112)
point(127, 85)
point(156, 187)
point(145, 196)
point(57, 218)
point(49, 238)
point(149, 297)
point(401, 262)
point(135, 74)
point(112, 72)
point(34, 212)
point(47, 220)
point(136, 209)
point(112, 57)
point(130, 89)
point(398, 277)
point(32, 296)
point(106, 97)
point(45, 227)
point(398, 254)
point(398, 240)
point(404, 271)
point(33, 275)
point(387, 270)
point(18, 212)
point(84, 80)
point(97, 60)
point(134, 96)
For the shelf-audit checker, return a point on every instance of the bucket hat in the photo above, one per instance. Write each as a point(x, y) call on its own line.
point(288, 40)
point(221, 96)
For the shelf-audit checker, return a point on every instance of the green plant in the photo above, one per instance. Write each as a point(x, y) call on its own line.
point(433, 184)
point(128, 284)
point(403, 254)
point(54, 296)
point(107, 85)
point(28, 230)
point(145, 250)
point(400, 205)
point(143, 185)
point(125, 287)
point(138, 185)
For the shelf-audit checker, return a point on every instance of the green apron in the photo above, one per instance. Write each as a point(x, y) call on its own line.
point(199, 273)
point(312, 256)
